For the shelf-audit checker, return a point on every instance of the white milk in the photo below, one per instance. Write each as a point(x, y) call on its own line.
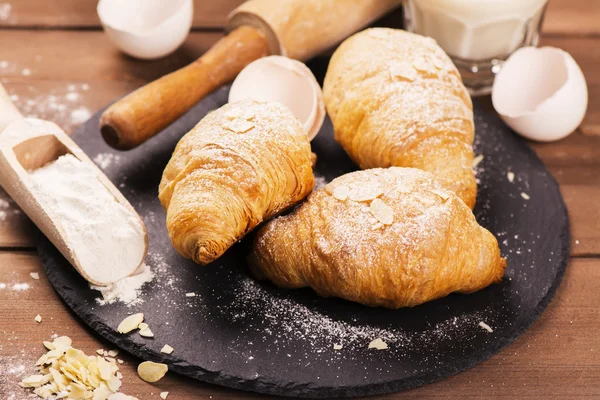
point(478, 29)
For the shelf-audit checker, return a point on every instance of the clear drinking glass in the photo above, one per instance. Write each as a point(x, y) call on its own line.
point(478, 35)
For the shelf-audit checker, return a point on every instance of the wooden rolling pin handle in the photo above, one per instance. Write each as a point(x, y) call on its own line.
point(145, 112)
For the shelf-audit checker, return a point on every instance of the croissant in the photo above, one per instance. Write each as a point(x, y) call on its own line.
point(381, 237)
point(396, 99)
point(241, 164)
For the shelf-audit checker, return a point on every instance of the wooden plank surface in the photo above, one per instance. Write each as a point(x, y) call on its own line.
point(82, 13)
point(67, 75)
point(545, 353)
point(563, 16)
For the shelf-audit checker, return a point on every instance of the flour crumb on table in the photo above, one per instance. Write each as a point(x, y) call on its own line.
point(510, 176)
point(38, 318)
point(337, 346)
point(163, 395)
point(486, 327)
point(34, 275)
point(378, 344)
point(525, 196)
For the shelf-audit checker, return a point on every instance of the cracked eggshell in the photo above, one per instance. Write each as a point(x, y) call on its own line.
point(541, 93)
point(146, 29)
point(286, 81)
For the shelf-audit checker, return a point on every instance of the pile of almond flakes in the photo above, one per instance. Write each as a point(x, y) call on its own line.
point(66, 372)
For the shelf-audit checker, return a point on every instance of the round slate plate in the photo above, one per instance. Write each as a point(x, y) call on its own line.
point(245, 334)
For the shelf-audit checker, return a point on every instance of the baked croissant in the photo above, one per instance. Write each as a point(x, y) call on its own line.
point(381, 237)
point(242, 164)
point(396, 99)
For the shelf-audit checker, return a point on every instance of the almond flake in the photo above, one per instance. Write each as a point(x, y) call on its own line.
point(120, 361)
point(38, 318)
point(152, 372)
point(337, 346)
point(525, 196)
point(511, 176)
point(166, 349)
point(378, 33)
point(365, 193)
point(236, 113)
point(443, 195)
point(113, 352)
point(238, 125)
point(130, 323)
point(477, 160)
point(486, 327)
point(62, 343)
point(35, 380)
point(100, 351)
point(34, 275)
point(146, 333)
point(403, 70)
point(48, 345)
point(341, 193)
point(101, 393)
point(142, 326)
point(378, 344)
point(382, 212)
point(113, 383)
point(378, 225)
point(163, 395)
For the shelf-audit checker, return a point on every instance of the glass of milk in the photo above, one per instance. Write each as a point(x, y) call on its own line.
point(477, 34)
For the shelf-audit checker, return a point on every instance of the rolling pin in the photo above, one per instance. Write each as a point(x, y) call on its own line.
point(298, 29)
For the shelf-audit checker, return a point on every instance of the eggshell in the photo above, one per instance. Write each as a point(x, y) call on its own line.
point(146, 29)
point(541, 93)
point(286, 81)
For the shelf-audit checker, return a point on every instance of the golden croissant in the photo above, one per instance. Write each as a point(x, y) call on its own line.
point(242, 164)
point(396, 99)
point(381, 237)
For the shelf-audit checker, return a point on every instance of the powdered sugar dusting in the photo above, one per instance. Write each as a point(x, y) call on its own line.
point(64, 106)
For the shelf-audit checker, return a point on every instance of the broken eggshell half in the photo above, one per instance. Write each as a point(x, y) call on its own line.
point(146, 29)
point(541, 93)
point(286, 81)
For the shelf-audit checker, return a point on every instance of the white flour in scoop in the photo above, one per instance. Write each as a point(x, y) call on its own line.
point(105, 236)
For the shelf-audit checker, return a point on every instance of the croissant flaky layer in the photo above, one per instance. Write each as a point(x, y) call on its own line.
point(396, 99)
point(381, 237)
point(242, 164)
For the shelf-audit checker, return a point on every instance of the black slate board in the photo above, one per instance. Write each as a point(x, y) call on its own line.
point(250, 335)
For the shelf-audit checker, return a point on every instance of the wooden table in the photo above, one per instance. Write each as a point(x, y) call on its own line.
point(58, 65)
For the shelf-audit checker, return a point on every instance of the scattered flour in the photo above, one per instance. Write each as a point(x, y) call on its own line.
point(80, 115)
point(61, 105)
point(105, 160)
point(5, 11)
point(19, 287)
point(320, 181)
point(105, 236)
point(126, 290)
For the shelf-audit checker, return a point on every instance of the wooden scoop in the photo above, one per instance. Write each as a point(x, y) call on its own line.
point(27, 144)
point(297, 29)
